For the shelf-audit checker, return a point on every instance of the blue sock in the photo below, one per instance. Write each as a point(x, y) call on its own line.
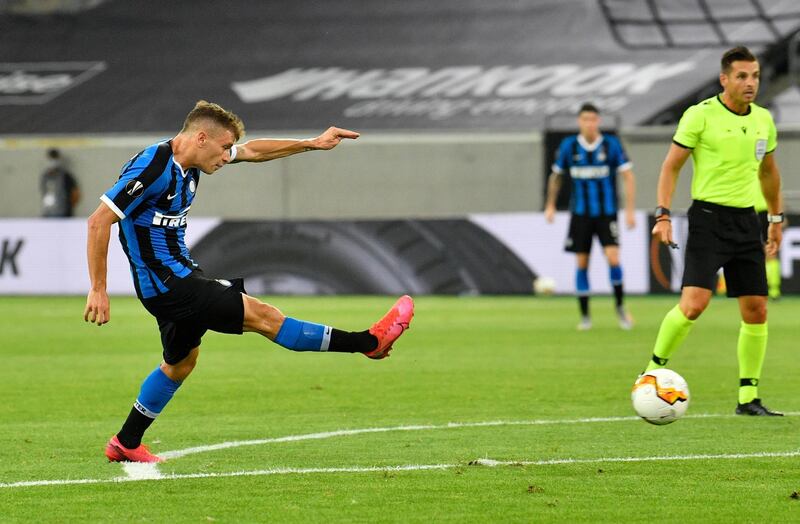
point(157, 390)
point(299, 335)
point(582, 282)
point(615, 275)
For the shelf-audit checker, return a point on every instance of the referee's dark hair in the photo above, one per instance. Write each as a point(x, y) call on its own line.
point(588, 107)
point(737, 54)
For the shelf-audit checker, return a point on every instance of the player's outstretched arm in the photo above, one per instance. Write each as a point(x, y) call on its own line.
point(98, 309)
point(264, 149)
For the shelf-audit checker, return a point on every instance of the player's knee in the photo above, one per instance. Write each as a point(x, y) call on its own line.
point(178, 372)
point(755, 312)
point(692, 309)
point(262, 317)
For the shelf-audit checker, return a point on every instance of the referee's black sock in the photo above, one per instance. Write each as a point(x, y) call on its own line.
point(133, 429)
point(352, 341)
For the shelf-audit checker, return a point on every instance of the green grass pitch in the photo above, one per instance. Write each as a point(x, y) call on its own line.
point(66, 386)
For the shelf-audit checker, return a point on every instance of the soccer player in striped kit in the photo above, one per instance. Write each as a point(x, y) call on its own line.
point(150, 202)
point(592, 161)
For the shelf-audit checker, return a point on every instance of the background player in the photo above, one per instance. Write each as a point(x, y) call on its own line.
point(150, 201)
point(731, 141)
point(773, 263)
point(592, 161)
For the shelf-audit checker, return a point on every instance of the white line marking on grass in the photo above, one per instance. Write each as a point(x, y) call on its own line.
point(423, 427)
point(151, 470)
point(141, 470)
point(407, 467)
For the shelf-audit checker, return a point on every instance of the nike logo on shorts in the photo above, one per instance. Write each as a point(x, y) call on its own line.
point(170, 197)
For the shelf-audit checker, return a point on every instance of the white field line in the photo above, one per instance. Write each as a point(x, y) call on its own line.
point(425, 427)
point(406, 467)
point(146, 471)
point(141, 470)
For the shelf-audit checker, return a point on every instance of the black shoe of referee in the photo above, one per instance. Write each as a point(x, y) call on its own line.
point(755, 408)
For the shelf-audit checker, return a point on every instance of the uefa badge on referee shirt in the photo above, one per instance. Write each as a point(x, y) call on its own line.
point(761, 149)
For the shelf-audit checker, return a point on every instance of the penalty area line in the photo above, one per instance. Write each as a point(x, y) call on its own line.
point(486, 462)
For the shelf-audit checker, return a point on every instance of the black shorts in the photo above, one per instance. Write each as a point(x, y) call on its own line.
point(194, 305)
point(582, 229)
point(728, 238)
point(764, 225)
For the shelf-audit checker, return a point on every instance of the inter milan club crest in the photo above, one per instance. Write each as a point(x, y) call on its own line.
point(601, 156)
point(192, 185)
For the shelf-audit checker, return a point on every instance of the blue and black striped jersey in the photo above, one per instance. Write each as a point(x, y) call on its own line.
point(152, 197)
point(593, 170)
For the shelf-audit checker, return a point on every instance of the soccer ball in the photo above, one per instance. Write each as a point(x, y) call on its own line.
point(544, 286)
point(660, 396)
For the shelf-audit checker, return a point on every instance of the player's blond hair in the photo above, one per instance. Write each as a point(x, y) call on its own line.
point(215, 113)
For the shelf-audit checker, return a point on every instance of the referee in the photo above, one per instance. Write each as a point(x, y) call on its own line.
point(731, 141)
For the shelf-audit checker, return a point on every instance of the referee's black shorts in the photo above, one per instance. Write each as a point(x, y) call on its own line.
point(582, 230)
point(764, 225)
point(194, 305)
point(728, 238)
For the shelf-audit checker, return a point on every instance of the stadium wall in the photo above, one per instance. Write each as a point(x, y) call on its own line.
point(382, 175)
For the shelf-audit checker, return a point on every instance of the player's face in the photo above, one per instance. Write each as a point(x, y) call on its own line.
point(741, 82)
point(589, 124)
point(213, 149)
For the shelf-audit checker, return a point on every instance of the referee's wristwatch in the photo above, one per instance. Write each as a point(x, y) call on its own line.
point(775, 219)
point(661, 211)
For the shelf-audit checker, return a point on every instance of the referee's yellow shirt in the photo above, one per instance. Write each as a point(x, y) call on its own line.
point(727, 150)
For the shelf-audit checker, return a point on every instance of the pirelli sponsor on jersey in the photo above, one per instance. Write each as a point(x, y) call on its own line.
point(171, 221)
point(588, 172)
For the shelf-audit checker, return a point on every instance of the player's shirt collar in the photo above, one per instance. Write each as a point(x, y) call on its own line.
point(590, 146)
point(180, 167)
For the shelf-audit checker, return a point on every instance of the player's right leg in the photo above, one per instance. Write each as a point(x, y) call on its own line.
point(677, 323)
point(301, 335)
point(699, 280)
point(579, 241)
point(157, 390)
point(582, 289)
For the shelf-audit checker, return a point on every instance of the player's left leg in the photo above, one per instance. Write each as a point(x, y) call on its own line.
point(751, 350)
point(747, 281)
point(301, 335)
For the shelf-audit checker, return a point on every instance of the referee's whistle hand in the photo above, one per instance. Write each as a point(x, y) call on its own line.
point(663, 232)
point(774, 238)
